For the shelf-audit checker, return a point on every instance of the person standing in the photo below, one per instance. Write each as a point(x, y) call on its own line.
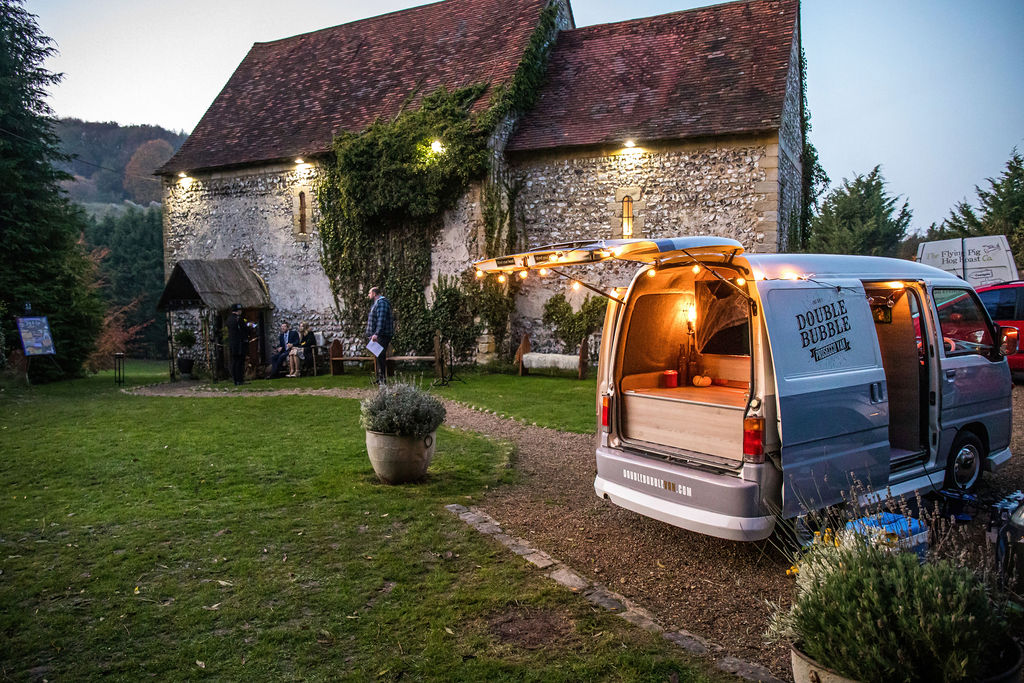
point(380, 328)
point(238, 343)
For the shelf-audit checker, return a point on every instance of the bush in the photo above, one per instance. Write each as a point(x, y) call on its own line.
point(872, 614)
point(185, 338)
point(402, 409)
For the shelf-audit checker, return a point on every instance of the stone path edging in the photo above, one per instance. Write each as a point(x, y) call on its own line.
point(613, 602)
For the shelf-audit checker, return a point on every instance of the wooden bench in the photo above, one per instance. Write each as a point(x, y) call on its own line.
point(338, 359)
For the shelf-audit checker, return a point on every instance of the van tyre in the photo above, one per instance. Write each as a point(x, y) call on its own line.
point(965, 459)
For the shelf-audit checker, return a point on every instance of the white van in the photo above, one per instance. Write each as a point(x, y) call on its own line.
point(817, 372)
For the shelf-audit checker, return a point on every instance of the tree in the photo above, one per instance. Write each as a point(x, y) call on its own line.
point(133, 274)
point(1000, 210)
point(42, 259)
point(139, 182)
point(814, 181)
point(860, 218)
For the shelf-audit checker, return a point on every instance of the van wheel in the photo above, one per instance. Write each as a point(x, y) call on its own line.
point(964, 468)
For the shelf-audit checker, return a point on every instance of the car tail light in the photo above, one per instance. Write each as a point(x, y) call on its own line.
point(606, 421)
point(753, 439)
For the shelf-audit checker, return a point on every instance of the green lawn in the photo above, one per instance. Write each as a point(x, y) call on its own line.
point(245, 538)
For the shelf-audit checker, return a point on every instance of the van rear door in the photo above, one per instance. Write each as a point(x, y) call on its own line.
point(833, 409)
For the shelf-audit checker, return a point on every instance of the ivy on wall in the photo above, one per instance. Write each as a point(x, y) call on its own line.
point(383, 194)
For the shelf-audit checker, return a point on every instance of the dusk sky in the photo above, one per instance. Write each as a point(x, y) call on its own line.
point(930, 89)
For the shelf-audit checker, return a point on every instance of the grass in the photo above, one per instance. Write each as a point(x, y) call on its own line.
point(246, 538)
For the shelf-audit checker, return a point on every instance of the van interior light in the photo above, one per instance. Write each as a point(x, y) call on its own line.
point(479, 273)
point(696, 269)
point(895, 285)
point(522, 274)
point(502, 278)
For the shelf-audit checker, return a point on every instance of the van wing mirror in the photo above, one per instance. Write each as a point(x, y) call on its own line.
point(1008, 338)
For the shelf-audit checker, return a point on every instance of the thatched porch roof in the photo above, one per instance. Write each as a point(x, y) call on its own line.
point(214, 284)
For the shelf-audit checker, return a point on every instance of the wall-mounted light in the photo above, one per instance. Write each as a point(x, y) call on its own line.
point(630, 143)
point(437, 147)
point(182, 174)
point(299, 161)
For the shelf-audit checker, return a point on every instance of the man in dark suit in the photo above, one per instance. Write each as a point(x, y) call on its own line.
point(238, 343)
point(285, 341)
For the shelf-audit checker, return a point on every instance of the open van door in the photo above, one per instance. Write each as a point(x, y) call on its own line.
point(639, 250)
point(833, 407)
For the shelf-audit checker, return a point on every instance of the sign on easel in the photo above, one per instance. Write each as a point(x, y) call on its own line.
point(36, 339)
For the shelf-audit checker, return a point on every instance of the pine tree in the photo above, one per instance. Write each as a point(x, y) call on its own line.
point(860, 218)
point(1000, 210)
point(42, 260)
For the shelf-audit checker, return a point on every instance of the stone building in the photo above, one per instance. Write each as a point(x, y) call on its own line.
point(684, 123)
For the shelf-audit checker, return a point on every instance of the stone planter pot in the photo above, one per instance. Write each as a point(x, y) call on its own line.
point(806, 670)
point(399, 459)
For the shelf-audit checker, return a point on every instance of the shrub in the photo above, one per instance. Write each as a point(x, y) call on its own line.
point(872, 614)
point(185, 338)
point(402, 409)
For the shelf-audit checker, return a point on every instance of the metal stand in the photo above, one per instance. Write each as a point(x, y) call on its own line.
point(119, 369)
point(448, 374)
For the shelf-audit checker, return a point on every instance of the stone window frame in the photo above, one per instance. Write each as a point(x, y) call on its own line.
point(302, 212)
point(638, 204)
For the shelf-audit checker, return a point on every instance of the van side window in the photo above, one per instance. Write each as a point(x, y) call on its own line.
point(965, 328)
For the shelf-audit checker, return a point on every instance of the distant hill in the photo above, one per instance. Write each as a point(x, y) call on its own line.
point(112, 162)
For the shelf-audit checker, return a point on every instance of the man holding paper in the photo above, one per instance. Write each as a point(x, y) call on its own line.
point(380, 327)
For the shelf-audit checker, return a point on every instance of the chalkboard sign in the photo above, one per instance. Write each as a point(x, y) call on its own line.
point(35, 336)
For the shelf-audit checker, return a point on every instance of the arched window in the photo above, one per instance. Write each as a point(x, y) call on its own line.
point(302, 213)
point(627, 216)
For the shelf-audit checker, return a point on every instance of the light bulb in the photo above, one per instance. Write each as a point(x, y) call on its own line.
point(522, 275)
point(575, 286)
point(502, 278)
point(696, 269)
point(479, 273)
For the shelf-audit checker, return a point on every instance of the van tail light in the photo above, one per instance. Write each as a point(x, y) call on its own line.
point(606, 421)
point(753, 439)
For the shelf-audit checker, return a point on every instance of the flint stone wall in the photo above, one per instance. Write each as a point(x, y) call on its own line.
point(727, 189)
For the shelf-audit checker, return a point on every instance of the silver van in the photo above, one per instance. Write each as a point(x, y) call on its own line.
point(734, 388)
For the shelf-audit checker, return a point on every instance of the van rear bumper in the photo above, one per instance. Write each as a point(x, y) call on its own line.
point(621, 479)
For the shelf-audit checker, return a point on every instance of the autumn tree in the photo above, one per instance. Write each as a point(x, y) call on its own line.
point(860, 217)
point(139, 182)
point(42, 259)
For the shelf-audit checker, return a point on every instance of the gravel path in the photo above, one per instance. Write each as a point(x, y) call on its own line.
point(714, 588)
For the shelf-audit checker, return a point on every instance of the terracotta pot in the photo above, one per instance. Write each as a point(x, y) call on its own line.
point(399, 459)
point(806, 670)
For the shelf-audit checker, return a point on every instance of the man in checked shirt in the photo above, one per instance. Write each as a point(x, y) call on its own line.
point(380, 327)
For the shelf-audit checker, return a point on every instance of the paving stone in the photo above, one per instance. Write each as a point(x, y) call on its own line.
point(489, 528)
point(541, 560)
point(687, 641)
point(569, 578)
point(603, 598)
point(456, 508)
point(636, 618)
point(751, 672)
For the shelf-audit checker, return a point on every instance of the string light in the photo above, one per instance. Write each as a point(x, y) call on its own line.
point(543, 272)
point(502, 278)
point(696, 269)
point(479, 273)
point(740, 281)
point(522, 274)
point(575, 286)
point(652, 272)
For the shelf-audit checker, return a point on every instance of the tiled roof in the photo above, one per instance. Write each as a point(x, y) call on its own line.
point(289, 97)
point(709, 71)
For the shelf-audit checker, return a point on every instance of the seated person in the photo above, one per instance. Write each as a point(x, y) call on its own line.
point(307, 346)
point(285, 341)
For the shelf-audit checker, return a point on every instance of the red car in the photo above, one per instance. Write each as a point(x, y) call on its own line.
point(1005, 305)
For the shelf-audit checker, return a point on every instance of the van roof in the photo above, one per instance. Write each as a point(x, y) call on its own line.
point(841, 265)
